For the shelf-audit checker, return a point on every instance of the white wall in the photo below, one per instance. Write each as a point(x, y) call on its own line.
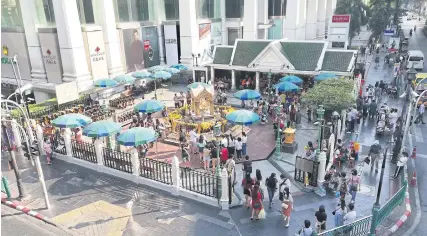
point(311, 20)
point(291, 23)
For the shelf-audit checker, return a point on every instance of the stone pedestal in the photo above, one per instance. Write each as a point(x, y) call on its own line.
point(290, 147)
point(175, 176)
point(224, 190)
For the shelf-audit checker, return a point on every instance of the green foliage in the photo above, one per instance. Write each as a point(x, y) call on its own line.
point(380, 16)
point(36, 107)
point(333, 94)
point(359, 14)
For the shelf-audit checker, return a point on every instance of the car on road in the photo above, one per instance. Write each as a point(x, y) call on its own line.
point(415, 58)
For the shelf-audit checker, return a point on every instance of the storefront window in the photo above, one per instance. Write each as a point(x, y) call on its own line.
point(140, 10)
point(85, 9)
point(208, 9)
point(10, 14)
point(45, 13)
point(122, 10)
point(172, 9)
point(136, 10)
point(234, 9)
point(276, 8)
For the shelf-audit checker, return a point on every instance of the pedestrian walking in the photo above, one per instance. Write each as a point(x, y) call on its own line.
point(285, 183)
point(244, 141)
point(224, 154)
point(230, 164)
point(258, 176)
point(193, 141)
point(206, 157)
point(400, 164)
point(343, 186)
point(238, 145)
point(287, 206)
point(373, 109)
point(247, 166)
point(214, 155)
point(48, 150)
point(420, 114)
point(306, 230)
point(354, 183)
point(231, 147)
point(321, 218)
point(176, 100)
point(185, 154)
point(375, 154)
point(247, 184)
point(201, 145)
point(339, 213)
point(349, 218)
point(271, 184)
point(256, 202)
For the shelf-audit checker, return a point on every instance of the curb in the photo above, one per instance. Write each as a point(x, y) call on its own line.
point(408, 210)
point(27, 211)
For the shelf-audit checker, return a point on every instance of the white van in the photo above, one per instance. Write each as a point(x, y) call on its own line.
point(416, 58)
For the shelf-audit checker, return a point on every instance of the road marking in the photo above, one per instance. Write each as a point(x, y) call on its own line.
point(418, 135)
point(422, 155)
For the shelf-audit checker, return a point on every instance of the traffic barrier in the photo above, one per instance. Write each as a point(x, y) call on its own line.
point(414, 153)
point(414, 179)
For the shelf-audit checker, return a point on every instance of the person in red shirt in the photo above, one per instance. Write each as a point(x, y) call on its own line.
point(224, 154)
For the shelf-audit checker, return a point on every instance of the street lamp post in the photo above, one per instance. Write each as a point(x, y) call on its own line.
point(410, 76)
point(269, 74)
point(320, 156)
point(320, 114)
point(278, 143)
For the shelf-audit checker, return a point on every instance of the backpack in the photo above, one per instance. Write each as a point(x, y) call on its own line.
point(271, 183)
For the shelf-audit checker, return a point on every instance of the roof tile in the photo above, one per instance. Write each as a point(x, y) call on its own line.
point(302, 55)
point(336, 61)
point(222, 55)
point(247, 51)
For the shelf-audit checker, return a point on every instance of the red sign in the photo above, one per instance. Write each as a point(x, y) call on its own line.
point(341, 18)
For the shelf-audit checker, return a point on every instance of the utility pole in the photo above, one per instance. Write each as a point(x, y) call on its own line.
point(12, 161)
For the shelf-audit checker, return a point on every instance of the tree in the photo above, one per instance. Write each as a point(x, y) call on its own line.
point(333, 94)
point(380, 16)
point(359, 15)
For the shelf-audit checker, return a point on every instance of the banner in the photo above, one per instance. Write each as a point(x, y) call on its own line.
point(205, 43)
point(393, 44)
point(396, 69)
point(171, 44)
point(150, 39)
point(134, 49)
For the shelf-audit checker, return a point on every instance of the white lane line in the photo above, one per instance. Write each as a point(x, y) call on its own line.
point(418, 135)
point(422, 155)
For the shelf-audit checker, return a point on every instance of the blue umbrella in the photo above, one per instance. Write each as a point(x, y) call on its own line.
point(286, 87)
point(72, 120)
point(172, 70)
point(156, 68)
point(162, 75)
point(242, 117)
point(291, 78)
point(105, 83)
point(179, 67)
point(125, 79)
point(247, 94)
point(324, 76)
point(102, 128)
point(149, 106)
point(142, 74)
point(137, 136)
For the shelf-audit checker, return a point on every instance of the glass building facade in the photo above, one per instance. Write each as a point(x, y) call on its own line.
point(208, 9)
point(11, 14)
point(276, 8)
point(234, 9)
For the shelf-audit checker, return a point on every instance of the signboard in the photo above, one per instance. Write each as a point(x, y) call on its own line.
point(171, 44)
point(134, 49)
point(95, 49)
point(51, 57)
point(14, 43)
point(338, 30)
point(205, 43)
point(151, 51)
point(66, 92)
point(341, 18)
point(393, 44)
point(396, 69)
point(388, 32)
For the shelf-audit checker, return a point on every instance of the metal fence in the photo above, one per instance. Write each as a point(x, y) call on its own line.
point(155, 170)
point(357, 228)
point(84, 151)
point(117, 160)
point(200, 182)
point(306, 171)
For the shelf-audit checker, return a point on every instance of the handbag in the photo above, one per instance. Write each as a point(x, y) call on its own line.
point(262, 214)
point(367, 160)
point(257, 205)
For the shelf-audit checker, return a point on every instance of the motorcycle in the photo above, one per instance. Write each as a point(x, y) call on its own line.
point(410, 32)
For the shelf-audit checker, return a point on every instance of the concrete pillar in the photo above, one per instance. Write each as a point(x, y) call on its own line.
point(175, 176)
point(257, 81)
point(189, 30)
point(103, 16)
point(40, 140)
point(331, 150)
point(250, 20)
point(263, 17)
point(311, 20)
point(213, 75)
point(98, 152)
point(158, 8)
point(135, 161)
point(67, 141)
point(334, 6)
point(338, 132)
point(321, 174)
point(224, 31)
point(29, 11)
point(224, 189)
point(302, 19)
point(73, 54)
point(233, 80)
point(16, 134)
point(292, 19)
point(321, 19)
point(343, 118)
point(329, 12)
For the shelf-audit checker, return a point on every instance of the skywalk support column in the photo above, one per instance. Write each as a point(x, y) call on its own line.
point(329, 12)
point(321, 19)
point(189, 31)
point(111, 38)
point(311, 21)
point(73, 54)
point(302, 19)
point(28, 11)
point(250, 20)
point(292, 19)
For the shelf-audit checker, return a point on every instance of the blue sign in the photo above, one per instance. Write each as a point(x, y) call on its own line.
point(389, 32)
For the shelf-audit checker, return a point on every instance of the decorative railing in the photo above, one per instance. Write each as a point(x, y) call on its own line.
point(306, 171)
point(200, 182)
point(84, 151)
point(155, 170)
point(357, 228)
point(391, 204)
point(117, 160)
